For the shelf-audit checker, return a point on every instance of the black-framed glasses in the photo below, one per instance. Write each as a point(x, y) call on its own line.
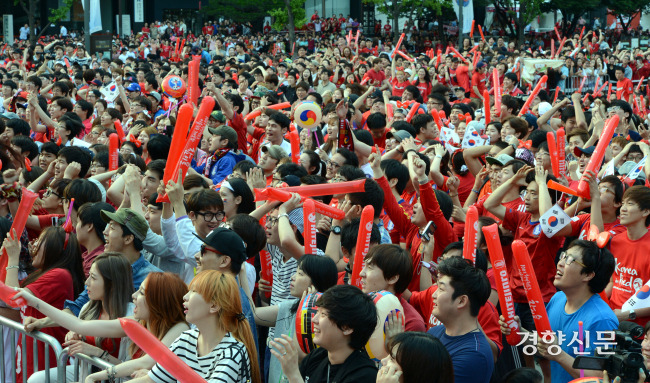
point(209, 216)
point(333, 164)
point(49, 192)
point(272, 220)
point(568, 259)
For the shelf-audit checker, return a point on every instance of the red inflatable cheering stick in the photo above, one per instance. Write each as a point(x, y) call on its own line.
point(24, 209)
point(183, 119)
point(507, 303)
point(470, 238)
point(552, 149)
point(531, 287)
point(6, 294)
point(159, 352)
point(363, 244)
point(327, 189)
point(599, 153)
point(309, 220)
point(561, 143)
point(538, 87)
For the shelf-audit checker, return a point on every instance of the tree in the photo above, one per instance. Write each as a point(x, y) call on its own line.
point(31, 6)
point(627, 9)
point(408, 9)
point(241, 10)
point(291, 16)
point(516, 22)
point(571, 11)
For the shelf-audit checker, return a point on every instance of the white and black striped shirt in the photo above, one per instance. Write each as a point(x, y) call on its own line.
point(227, 363)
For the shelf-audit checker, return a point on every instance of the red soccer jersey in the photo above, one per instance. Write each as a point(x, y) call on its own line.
point(632, 269)
point(542, 250)
point(399, 87)
point(478, 81)
point(625, 87)
point(580, 226)
point(375, 78)
point(488, 317)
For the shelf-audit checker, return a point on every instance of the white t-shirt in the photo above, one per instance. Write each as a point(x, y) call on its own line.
point(227, 363)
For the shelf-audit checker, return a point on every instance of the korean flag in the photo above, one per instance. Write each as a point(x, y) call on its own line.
point(554, 220)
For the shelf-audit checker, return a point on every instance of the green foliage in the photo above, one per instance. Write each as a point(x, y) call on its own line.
point(627, 7)
point(281, 19)
point(61, 13)
point(409, 8)
point(240, 10)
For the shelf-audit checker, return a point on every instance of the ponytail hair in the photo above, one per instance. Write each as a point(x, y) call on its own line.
point(222, 290)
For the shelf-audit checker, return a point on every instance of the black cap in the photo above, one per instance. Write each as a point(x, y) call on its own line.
point(226, 242)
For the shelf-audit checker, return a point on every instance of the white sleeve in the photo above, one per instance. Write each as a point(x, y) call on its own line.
point(168, 228)
point(188, 241)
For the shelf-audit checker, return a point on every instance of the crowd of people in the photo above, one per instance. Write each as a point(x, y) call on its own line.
point(431, 133)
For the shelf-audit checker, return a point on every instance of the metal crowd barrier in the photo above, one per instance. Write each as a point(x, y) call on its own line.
point(50, 342)
point(83, 365)
point(572, 84)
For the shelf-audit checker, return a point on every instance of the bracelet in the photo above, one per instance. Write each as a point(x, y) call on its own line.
point(283, 215)
point(476, 191)
point(12, 267)
point(438, 156)
point(103, 355)
point(453, 195)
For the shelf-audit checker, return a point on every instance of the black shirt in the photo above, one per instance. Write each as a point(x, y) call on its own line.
point(357, 368)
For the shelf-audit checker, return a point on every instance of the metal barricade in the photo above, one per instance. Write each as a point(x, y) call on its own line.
point(572, 83)
point(13, 328)
point(83, 364)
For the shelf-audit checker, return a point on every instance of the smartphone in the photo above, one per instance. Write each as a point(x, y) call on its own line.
point(428, 231)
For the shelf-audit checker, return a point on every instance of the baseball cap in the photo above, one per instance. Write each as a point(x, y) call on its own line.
point(133, 87)
point(500, 160)
point(525, 155)
point(399, 135)
point(481, 65)
point(376, 94)
point(9, 116)
point(577, 151)
point(543, 107)
point(401, 111)
point(156, 95)
point(226, 242)
point(275, 151)
point(218, 115)
point(225, 132)
point(627, 167)
point(96, 82)
point(129, 218)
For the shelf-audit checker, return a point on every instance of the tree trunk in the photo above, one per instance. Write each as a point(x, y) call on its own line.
point(441, 34)
point(32, 21)
point(461, 23)
point(396, 24)
point(290, 23)
point(521, 24)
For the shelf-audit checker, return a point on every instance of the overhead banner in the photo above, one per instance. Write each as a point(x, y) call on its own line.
point(468, 13)
point(8, 28)
point(138, 11)
point(537, 67)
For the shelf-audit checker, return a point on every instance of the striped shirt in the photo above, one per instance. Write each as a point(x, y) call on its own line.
point(227, 363)
point(282, 273)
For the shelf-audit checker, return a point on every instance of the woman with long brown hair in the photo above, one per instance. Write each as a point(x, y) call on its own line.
point(158, 307)
point(57, 278)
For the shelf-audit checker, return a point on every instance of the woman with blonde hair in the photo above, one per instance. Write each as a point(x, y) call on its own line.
point(221, 348)
point(158, 307)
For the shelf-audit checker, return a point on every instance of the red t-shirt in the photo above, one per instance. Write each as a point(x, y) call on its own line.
point(53, 287)
point(239, 125)
point(398, 87)
point(542, 250)
point(580, 226)
point(488, 317)
point(423, 87)
point(413, 321)
point(375, 78)
point(625, 87)
point(461, 76)
point(387, 28)
point(478, 81)
point(632, 269)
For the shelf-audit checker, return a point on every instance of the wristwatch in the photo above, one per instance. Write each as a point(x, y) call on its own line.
point(632, 315)
point(432, 267)
point(336, 230)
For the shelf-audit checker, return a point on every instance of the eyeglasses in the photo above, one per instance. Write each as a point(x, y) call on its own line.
point(205, 248)
point(272, 220)
point(568, 259)
point(209, 216)
point(49, 192)
point(333, 164)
